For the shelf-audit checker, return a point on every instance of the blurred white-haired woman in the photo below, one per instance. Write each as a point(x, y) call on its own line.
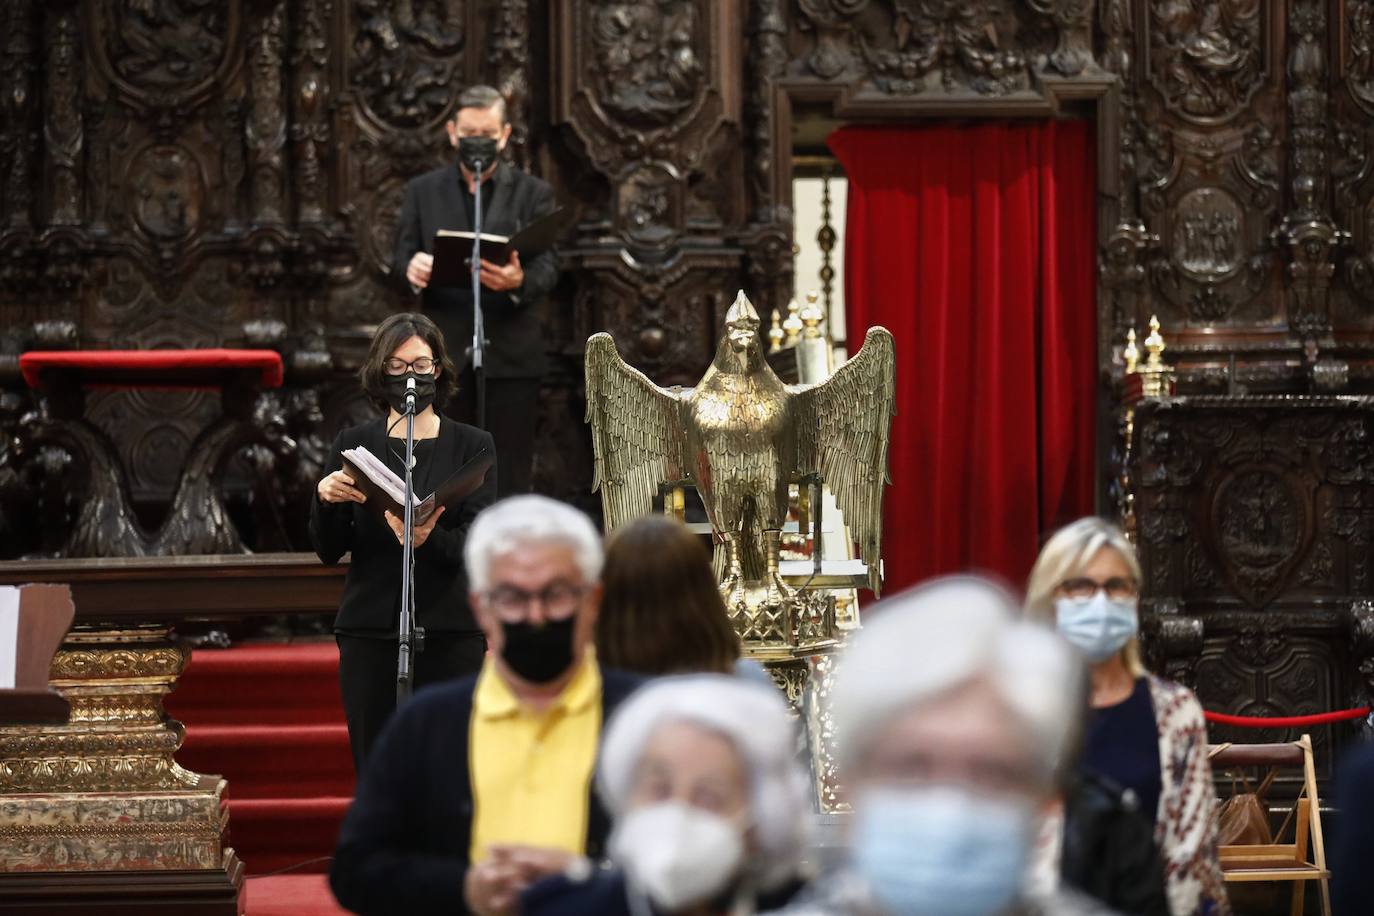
point(1145, 733)
point(954, 721)
point(711, 809)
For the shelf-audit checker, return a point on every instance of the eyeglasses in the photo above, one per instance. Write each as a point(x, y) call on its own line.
point(1083, 588)
point(422, 366)
point(558, 600)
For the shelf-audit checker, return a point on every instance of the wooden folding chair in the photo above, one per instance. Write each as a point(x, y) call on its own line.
point(1300, 861)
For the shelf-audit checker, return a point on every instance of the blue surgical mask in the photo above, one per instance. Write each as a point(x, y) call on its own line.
point(1099, 626)
point(941, 850)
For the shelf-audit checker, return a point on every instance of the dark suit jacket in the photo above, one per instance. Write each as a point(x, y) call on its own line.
point(1352, 853)
point(434, 201)
point(404, 845)
point(372, 588)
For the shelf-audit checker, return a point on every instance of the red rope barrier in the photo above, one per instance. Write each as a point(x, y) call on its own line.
point(1286, 721)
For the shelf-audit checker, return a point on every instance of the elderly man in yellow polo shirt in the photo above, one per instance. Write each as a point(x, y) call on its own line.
point(479, 787)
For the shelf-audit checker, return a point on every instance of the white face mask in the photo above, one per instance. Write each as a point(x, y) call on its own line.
point(677, 853)
point(1098, 626)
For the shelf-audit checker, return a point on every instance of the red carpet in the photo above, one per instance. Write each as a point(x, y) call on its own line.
point(291, 895)
point(268, 718)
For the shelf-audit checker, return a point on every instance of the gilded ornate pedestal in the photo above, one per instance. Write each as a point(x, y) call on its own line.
point(95, 814)
point(99, 801)
point(102, 791)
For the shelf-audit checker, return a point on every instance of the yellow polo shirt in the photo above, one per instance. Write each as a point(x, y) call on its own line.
point(531, 769)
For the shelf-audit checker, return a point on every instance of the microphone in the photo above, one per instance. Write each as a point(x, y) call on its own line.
point(410, 394)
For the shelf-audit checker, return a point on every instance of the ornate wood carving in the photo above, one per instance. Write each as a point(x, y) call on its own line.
point(647, 98)
point(62, 130)
point(405, 58)
point(309, 129)
point(508, 59)
point(1206, 58)
point(266, 126)
point(18, 142)
point(936, 48)
point(1255, 518)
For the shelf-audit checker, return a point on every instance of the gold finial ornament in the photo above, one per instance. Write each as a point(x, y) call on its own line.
point(775, 334)
point(792, 324)
point(1156, 377)
point(741, 436)
point(1131, 354)
point(811, 316)
point(1154, 346)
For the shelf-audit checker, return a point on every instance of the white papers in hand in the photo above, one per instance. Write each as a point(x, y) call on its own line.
point(380, 474)
point(9, 635)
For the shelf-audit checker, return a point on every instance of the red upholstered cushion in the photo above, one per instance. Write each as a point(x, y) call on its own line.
point(152, 368)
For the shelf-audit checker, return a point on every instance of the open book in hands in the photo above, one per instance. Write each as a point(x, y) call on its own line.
point(386, 491)
point(453, 248)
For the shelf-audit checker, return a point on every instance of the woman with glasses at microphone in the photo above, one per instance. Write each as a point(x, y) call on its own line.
point(1144, 733)
point(407, 355)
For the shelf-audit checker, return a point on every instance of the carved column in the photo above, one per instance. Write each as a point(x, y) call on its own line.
point(19, 139)
point(508, 61)
point(768, 238)
point(1308, 233)
point(62, 131)
point(1123, 256)
point(66, 244)
point(1352, 146)
point(1172, 641)
point(310, 125)
point(266, 125)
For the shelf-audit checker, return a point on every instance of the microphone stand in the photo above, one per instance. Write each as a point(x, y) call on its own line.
point(411, 637)
point(479, 335)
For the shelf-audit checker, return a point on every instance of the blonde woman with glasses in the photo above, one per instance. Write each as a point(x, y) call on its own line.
point(1143, 732)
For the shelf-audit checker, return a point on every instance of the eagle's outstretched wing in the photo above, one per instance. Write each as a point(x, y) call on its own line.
point(844, 425)
point(637, 433)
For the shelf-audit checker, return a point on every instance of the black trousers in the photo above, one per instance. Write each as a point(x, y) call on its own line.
point(367, 678)
point(512, 412)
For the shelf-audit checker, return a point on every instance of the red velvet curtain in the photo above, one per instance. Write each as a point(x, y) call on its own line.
point(975, 246)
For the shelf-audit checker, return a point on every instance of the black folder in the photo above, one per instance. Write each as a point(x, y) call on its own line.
point(453, 248)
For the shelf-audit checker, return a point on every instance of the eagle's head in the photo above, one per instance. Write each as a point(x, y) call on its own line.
point(740, 350)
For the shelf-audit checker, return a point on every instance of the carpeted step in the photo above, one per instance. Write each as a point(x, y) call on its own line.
point(270, 684)
point(275, 833)
point(272, 761)
point(291, 895)
point(269, 719)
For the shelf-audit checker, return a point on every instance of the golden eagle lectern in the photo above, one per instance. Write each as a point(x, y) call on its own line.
point(741, 437)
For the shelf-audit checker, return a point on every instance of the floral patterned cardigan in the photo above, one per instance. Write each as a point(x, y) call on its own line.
point(1186, 822)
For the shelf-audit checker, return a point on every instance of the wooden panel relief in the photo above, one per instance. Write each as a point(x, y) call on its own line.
point(1208, 184)
point(647, 99)
point(1255, 523)
point(1259, 666)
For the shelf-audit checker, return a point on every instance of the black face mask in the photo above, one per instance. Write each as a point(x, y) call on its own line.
point(539, 653)
point(474, 150)
point(394, 387)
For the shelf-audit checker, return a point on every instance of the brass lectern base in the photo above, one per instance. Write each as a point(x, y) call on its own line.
point(164, 892)
point(95, 814)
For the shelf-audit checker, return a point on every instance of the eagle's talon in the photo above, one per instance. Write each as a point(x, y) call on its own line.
point(733, 588)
